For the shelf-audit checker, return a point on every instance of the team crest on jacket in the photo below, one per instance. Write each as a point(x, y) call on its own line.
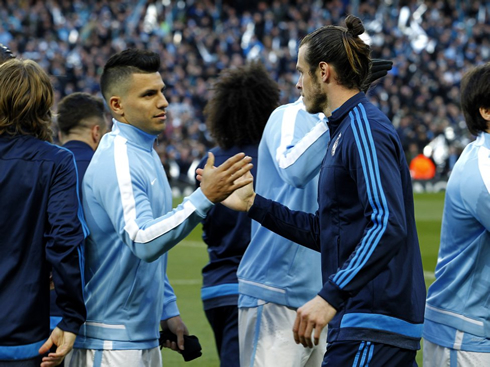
point(334, 148)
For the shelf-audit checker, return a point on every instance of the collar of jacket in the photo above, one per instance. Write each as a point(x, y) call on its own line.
point(134, 135)
point(339, 114)
point(73, 144)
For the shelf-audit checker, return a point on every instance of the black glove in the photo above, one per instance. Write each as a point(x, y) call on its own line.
point(379, 69)
point(192, 347)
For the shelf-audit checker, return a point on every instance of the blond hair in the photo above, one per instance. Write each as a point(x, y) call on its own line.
point(26, 98)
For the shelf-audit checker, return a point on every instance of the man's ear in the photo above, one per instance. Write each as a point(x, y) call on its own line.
point(485, 113)
point(325, 71)
point(116, 106)
point(95, 133)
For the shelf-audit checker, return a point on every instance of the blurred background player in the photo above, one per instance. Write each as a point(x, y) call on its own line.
point(457, 317)
point(81, 123)
point(242, 101)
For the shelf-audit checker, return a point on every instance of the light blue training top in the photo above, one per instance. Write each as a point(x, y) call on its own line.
point(127, 201)
point(458, 302)
point(291, 151)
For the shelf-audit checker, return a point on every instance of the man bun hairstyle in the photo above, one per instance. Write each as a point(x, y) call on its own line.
point(342, 48)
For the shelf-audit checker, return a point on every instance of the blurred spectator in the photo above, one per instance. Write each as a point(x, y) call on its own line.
point(432, 43)
point(5, 54)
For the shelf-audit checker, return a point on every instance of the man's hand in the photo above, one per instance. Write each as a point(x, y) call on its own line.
point(176, 326)
point(64, 341)
point(243, 198)
point(315, 314)
point(217, 183)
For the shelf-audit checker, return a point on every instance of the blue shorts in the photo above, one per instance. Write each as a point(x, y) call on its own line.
point(364, 353)
point(33, 362)
point(224, 321)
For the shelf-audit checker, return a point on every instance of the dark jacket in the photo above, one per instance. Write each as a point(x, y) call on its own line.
point(365, 230)
point(83, 154)
point(227, 234)
point(41, 228)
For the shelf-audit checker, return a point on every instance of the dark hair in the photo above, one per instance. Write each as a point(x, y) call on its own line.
point(344, 49)
point(26, 98)
point(75, 108)
point(122, 65)
point(241, 104)
point(475, 93)
point(5, 54)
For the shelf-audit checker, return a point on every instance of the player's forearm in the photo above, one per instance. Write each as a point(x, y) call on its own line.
point(297, 226)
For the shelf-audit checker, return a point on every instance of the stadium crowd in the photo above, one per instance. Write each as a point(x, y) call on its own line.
point(432, 43)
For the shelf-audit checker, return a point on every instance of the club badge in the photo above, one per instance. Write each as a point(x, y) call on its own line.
point(334, 148)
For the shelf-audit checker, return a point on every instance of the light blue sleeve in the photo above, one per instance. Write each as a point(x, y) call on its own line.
point(297, 142)
point(170, 308)
point(132, 214)
point(475, 185)
point(149, 237)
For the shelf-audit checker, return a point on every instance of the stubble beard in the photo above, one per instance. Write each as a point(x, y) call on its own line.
point(318, 99)
point(317, 102)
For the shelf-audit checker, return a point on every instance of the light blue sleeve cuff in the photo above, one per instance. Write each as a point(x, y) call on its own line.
point(201, 202)
point(170, 310)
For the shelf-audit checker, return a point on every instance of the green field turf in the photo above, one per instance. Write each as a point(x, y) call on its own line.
point(187, 259)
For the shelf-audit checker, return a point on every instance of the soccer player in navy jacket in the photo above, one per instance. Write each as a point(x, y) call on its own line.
point(41, 225)
point(373, 292)
point(81, 123)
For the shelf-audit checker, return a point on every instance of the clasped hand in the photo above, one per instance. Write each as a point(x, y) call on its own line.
point(217, 183)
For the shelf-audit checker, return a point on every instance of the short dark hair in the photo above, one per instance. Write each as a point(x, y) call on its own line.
point(122, 65)
point(241, 104)
point(344, 49)
point(76, 107)
point(475, 93)
point(5, 54)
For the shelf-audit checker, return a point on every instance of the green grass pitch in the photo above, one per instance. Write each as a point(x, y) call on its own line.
point(187, 259)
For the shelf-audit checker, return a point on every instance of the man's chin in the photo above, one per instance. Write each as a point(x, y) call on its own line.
point(313, 109)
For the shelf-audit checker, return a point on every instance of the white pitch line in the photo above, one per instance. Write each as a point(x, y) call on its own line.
point(194, 244)
point(185, 281)
point(429, 275)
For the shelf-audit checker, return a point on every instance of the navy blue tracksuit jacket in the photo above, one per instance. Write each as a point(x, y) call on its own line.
point(41, 228)
point(365, 230)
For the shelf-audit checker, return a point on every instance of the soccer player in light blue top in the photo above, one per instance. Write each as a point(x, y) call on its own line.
point(128, 203)
point(457, 316)
point(276, 276)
